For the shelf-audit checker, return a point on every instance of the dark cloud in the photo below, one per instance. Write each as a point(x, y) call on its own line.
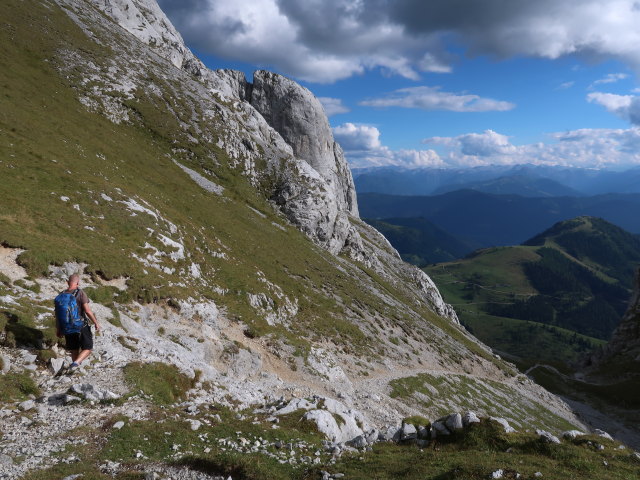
point(325, 40)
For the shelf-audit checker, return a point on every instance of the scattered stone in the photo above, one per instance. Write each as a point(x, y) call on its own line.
point(55, 364)
point(359, 442)
point(454, 422)
point(603, 434)
point(6, 363)
point(469, 418)
point(74, 476)
point(5, 459)
point(408, 432)
point(572, 434)
point(118, 425)
point(27, 405)
point(507, 428)
point(195, 425)
point(547, 437)
point(537, 474)
point(497, 474)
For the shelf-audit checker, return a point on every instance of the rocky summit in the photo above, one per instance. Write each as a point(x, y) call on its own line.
point(254, 326)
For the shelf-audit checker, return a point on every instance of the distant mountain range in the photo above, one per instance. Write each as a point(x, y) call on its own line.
point(526, 180)
point(484, 219)
point(548, 299)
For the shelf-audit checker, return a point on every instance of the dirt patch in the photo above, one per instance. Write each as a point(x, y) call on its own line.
point(9, 265)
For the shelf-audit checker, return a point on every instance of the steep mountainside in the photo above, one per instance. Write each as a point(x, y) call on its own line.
point(492, 220)
point(214, 225)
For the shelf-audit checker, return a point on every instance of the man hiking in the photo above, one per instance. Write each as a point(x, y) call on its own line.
point(72, 311)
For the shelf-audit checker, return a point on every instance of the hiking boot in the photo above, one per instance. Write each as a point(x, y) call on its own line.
point(73, 368)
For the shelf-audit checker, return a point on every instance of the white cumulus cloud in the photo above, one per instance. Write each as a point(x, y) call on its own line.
point(363, 148)
point(326, 40)
point(432, 98)
point(626, 107)
point(333, 106)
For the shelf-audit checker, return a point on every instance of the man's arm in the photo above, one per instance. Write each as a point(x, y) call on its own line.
point(89, 313)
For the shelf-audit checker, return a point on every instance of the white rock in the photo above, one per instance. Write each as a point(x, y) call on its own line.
point(27, 405)
point(547, 437)
point(55, 364)
point(469, 418)
point(497, 474)
point(118, 425)
point(572, 434)
point(454, 422)
point(507, 428)
point(408, 432)
point(603, 434)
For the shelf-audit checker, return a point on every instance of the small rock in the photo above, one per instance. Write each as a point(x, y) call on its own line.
point(507, 428)
point(408, 432)
point(337, 475)
point(547, 437)
point(636, 455)
point(469, 418)
point(29, 358)
point(55, 364)
point(118, 425)
point(69, 399)
point(537, 474)
point(27, 405)
point(358, 442)
point(497, 474)
point(5, 459)
point(603, 434)
point(74, 477)
point(572, 434)
point(195, 425)
point(151, 476)
point(207, 450)
point(6, 363)
point(454, 422)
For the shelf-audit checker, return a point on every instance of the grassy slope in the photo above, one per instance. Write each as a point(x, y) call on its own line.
point(50, 147)
point(496, 276)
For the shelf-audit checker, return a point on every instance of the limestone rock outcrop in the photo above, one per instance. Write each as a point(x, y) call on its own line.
point(275, 133)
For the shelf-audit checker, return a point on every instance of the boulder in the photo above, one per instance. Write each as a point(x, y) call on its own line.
point(603, 434)
point(439, 428)
point(408, 432)
point(469, 418)
point(547, 437)
point(572, 434)
point(507, 428)
point(453, 422)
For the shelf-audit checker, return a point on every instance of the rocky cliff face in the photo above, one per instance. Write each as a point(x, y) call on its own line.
point(316, 191)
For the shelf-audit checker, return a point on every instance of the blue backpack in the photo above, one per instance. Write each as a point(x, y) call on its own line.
point(67, 313)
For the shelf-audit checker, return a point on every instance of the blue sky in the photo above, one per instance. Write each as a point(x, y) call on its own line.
point(445, 83)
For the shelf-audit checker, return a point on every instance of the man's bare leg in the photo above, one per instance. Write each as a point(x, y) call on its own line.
point(82, 356)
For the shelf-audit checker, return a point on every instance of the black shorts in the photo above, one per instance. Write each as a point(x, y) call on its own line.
point(80, 341)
